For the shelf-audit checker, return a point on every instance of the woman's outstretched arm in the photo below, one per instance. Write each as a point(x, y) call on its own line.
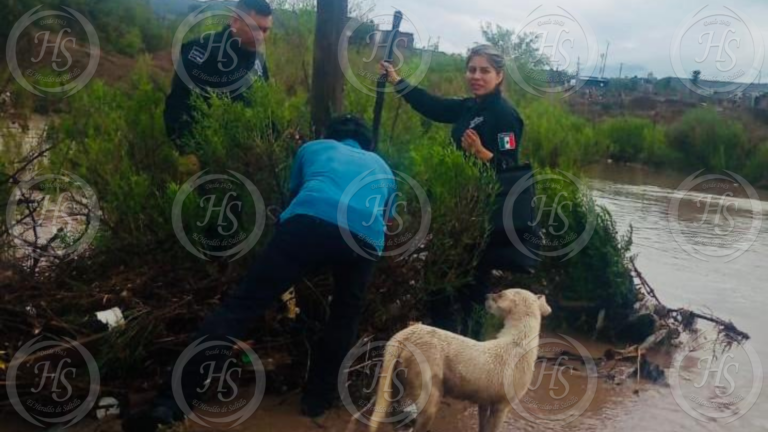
point(435, 108)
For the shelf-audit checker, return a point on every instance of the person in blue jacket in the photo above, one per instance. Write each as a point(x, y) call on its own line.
point(313, 232)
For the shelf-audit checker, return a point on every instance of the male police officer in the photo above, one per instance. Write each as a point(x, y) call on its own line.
point(226, 62)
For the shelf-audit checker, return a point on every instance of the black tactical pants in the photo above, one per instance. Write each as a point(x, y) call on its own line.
point(300, 244)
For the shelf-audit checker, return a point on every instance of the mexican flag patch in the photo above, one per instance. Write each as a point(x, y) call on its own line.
point(507, 141)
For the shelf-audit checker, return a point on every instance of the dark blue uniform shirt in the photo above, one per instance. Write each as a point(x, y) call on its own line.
point(214, 62)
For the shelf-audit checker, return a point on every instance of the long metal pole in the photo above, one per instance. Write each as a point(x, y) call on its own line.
point(381, 84)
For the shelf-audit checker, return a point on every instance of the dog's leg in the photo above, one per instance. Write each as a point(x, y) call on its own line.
point(496, 417)
point(482, 413)
point(427, 415)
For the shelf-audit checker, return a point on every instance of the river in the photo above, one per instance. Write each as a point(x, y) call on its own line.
point(735, 290)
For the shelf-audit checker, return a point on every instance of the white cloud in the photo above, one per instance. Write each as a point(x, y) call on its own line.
point(640, 31)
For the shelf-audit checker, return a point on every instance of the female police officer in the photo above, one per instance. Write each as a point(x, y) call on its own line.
point(488, 127)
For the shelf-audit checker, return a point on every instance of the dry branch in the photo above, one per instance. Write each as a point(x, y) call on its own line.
point(685, 319)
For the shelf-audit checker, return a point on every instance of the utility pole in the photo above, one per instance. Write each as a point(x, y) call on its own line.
point(327, 95)
point(605, 59)
point(600, 68)
point(621, 69)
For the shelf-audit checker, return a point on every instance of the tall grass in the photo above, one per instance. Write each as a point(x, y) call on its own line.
point(554, 137)
point(710, 141)
point(629, 139)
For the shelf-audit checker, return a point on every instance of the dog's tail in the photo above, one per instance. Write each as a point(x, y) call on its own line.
point(391, 356)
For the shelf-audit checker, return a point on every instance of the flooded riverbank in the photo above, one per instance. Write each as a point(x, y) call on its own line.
point(732, 290)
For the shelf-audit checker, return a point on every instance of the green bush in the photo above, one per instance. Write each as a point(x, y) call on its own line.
point(126, 27)
point(294, 33)
point(114, 139)
point(709, 140)
point(757, 168)
point(633, 140)
point(582, 281)
point(656, 151)
point(554, 137)
point(130, 43)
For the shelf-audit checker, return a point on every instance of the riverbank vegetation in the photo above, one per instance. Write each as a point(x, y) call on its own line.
point(111, 135)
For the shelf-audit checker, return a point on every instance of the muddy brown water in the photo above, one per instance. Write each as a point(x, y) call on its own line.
point(735, 290)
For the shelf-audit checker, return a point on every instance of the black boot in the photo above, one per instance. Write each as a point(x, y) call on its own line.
point(161, 413)
point(314, 406)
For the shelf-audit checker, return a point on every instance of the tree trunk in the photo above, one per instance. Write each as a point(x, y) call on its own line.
point(327, 97)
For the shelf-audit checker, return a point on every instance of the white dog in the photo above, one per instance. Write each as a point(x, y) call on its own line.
point(466, 369)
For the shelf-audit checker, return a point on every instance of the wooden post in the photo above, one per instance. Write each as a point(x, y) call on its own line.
point(327, 96)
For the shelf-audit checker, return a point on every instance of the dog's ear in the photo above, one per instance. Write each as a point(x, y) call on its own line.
point(543, 306)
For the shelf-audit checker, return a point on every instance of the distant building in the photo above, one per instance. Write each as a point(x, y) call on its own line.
point(756, 88)
point(590, 82)
point(646, 85)
point(709, 88)
point(404, 40)
point(369, 33)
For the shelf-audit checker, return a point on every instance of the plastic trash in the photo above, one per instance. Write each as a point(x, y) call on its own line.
point(111, 317)
point(107, 406)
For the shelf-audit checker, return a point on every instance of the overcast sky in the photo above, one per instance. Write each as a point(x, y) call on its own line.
point(641, 32)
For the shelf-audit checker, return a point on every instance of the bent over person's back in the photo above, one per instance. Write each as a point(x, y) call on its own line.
point(341, 192)
point(336, 181)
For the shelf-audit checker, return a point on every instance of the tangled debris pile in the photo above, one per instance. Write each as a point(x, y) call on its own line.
point(669, 329)
point(134, 322)
point(672, 327)
point(679, 321)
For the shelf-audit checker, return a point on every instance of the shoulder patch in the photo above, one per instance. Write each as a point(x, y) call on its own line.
point(507, 141)
point(197, 55)
point(476, 121)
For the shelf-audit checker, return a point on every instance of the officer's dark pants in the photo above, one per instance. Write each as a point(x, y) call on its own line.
point(468, 299)
point(300, 244)
point(499, 254)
